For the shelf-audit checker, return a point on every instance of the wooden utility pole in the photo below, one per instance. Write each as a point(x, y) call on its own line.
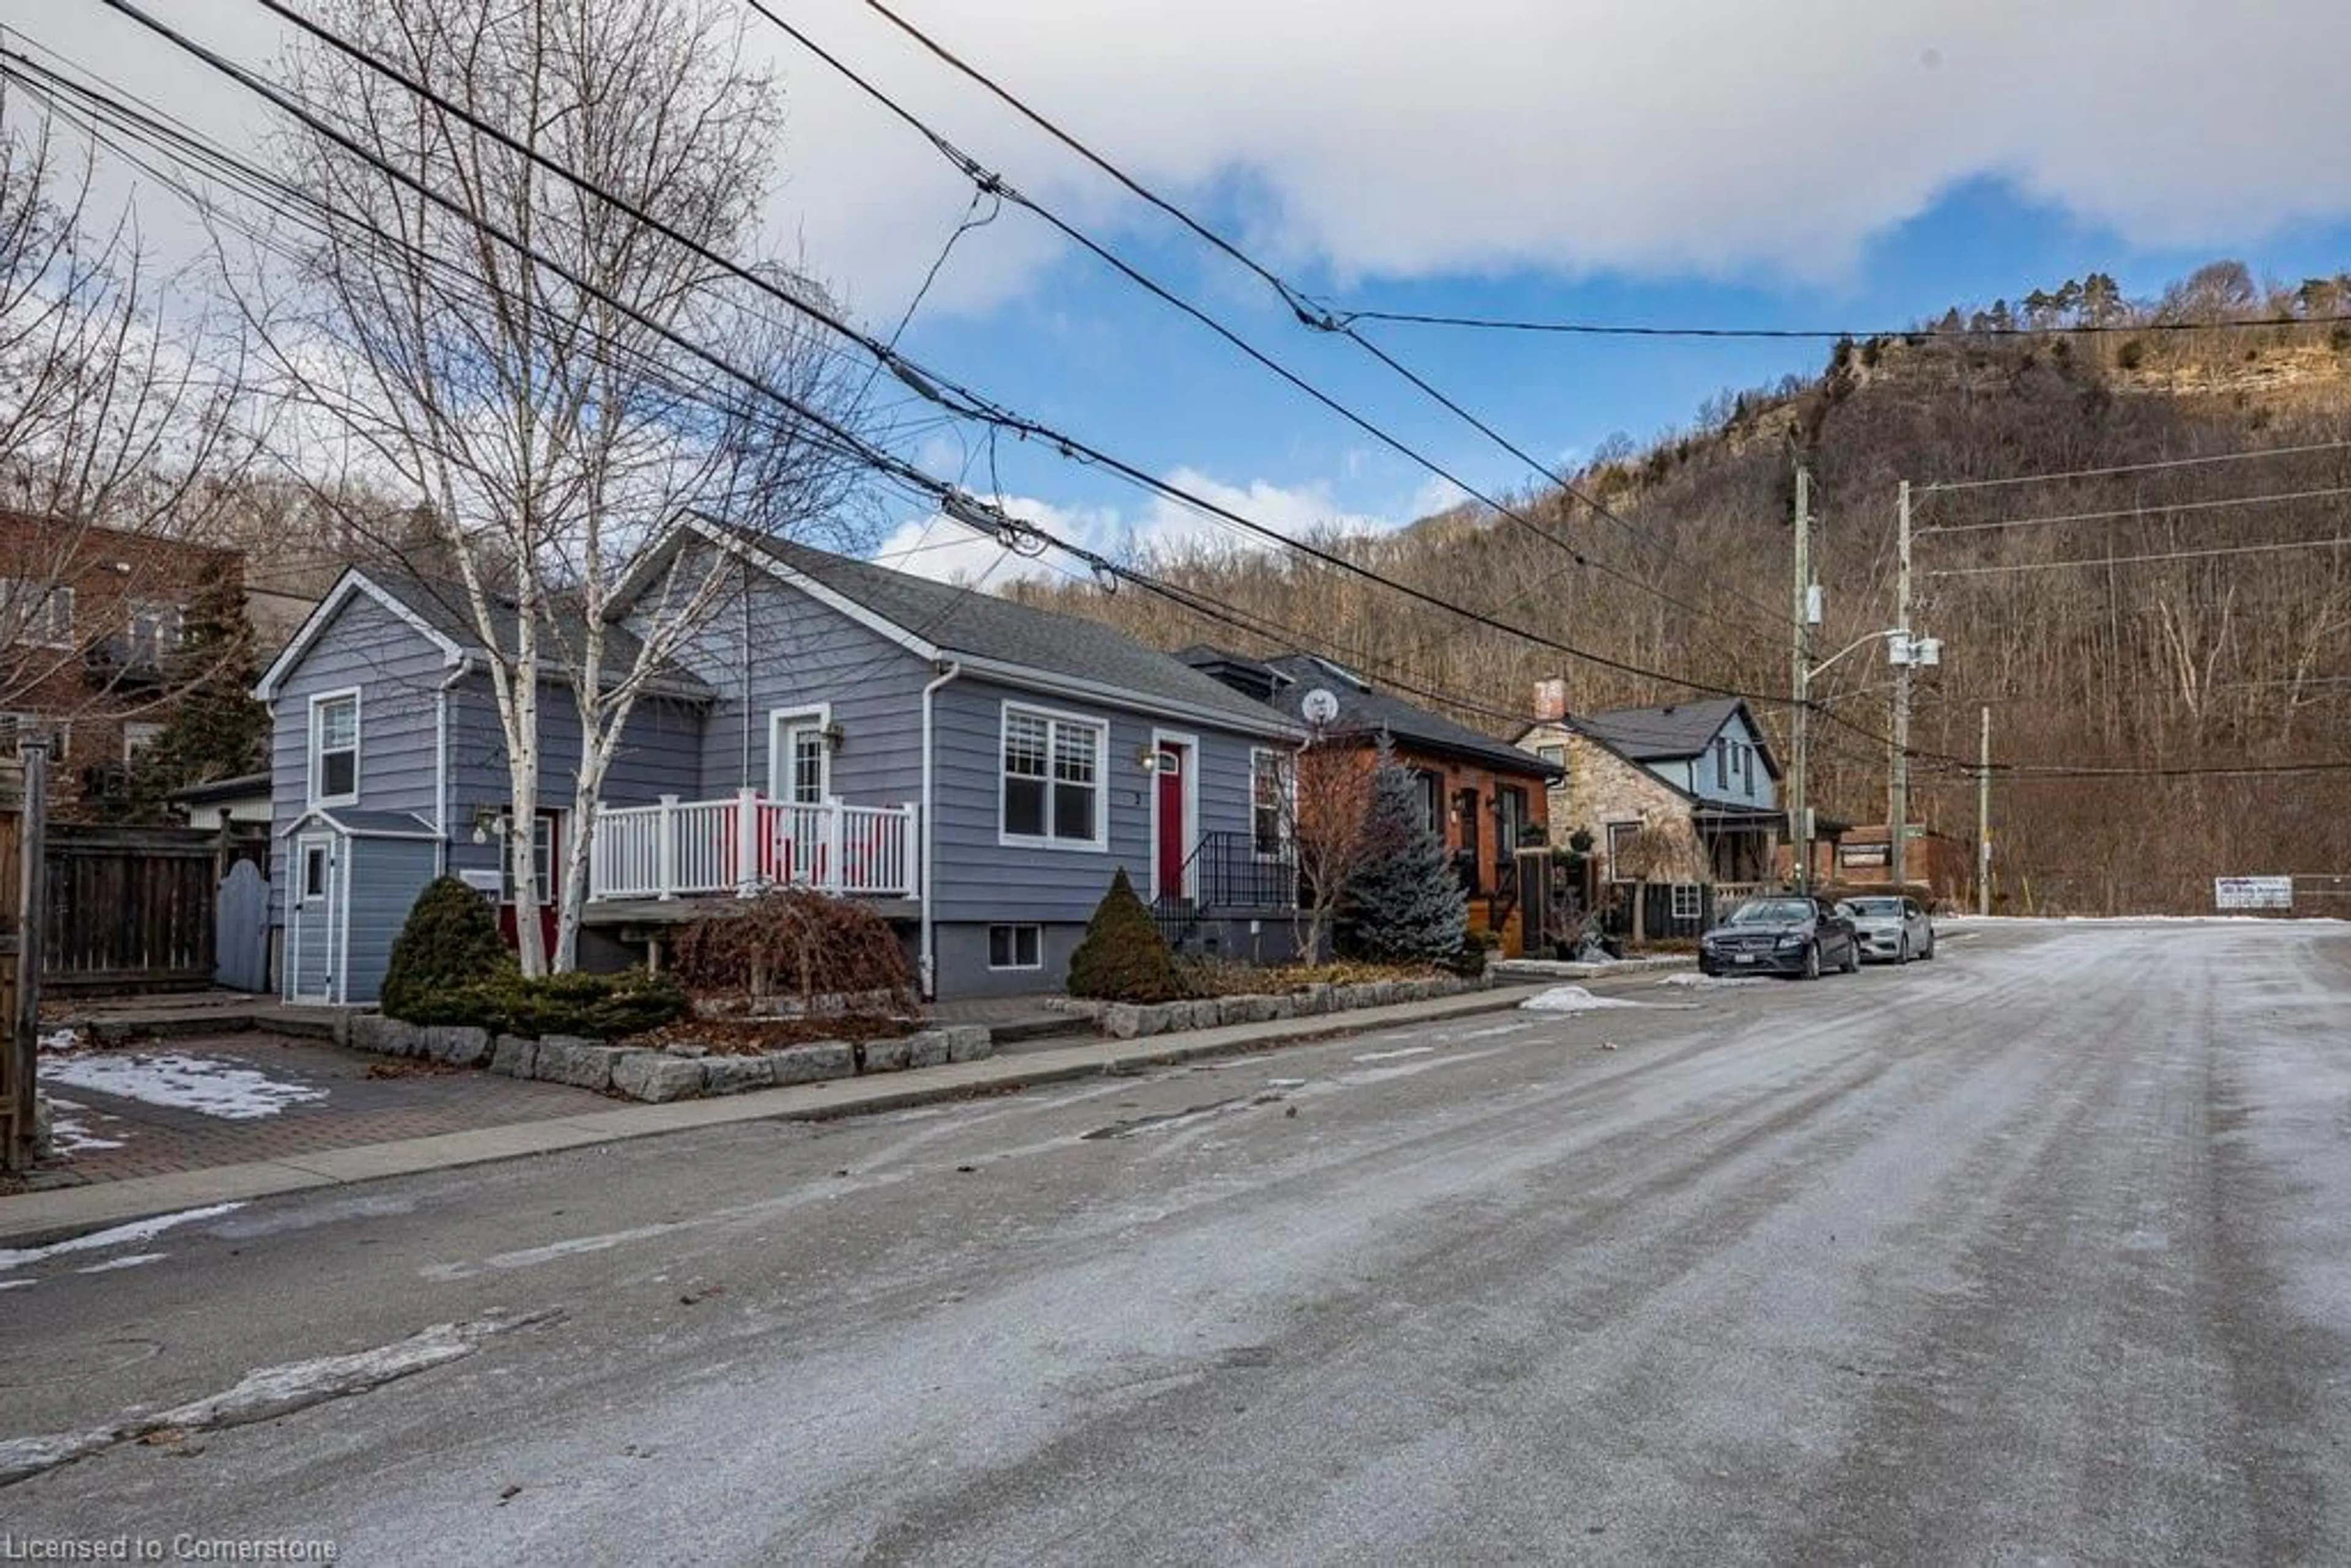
point(24, 1018)
point(1897, 786)
point(1800, 817)
point(1983, 815)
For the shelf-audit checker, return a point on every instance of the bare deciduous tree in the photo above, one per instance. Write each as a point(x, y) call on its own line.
point(501, 348)
point(120, 407)
point(1327, 812)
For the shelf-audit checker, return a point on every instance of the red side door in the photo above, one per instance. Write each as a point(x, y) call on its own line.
point(547, 847)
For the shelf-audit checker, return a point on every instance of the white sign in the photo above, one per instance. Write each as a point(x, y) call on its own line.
point(2252, 892)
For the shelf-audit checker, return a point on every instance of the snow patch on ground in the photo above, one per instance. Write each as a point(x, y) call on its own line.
point(1708, 982)
point(70, 1134)
point(60, 1039)
point(207, 1084)
point(1575, 999)
point(1392, 1055)
point(121, 1236)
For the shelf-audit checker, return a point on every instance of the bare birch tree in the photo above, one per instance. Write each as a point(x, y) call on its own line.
point(120, 407)
point(504, 353)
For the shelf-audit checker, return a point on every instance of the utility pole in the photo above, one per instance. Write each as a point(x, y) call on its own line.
point(1983, 816)
point(1800, 823)
point(1897, 792)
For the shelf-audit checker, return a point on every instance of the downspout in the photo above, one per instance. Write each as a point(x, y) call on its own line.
point(929, 960)
point(458, 669)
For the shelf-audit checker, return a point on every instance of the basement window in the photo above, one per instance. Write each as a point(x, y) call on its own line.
point(1015, 946)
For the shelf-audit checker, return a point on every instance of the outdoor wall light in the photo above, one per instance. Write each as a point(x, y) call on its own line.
point(488, 821)
point(1148, 758)
point(834, 736)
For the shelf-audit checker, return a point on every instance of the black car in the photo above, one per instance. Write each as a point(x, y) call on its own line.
point(1787, 934)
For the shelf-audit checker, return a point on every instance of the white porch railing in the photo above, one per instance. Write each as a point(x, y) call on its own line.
point(736, 846)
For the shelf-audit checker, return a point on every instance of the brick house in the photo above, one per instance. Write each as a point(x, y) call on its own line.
point(1484, 797)
point(1696, 784)
point(88, 618)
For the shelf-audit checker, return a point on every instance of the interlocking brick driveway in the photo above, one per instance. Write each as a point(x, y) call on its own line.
point(368, 1100)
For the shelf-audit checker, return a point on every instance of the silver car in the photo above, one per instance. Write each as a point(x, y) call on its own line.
point(1892, 929)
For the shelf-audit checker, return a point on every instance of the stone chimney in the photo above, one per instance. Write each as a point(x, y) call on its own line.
point(1550, 701)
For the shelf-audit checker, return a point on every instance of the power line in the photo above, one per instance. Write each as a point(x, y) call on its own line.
point(1300, 304)
point(2155, 509)
point(2138, 559)
point(1947, 485)
point(1817, 334)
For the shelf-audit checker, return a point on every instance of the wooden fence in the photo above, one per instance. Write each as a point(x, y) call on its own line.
point(130, 909)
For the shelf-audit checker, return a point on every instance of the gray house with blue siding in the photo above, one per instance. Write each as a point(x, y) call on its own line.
point(973, 768)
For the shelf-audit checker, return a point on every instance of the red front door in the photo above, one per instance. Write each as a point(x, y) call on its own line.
point(1175, 835)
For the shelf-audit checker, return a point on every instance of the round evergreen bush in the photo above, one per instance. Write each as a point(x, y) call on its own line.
point(449, 941)
point(1122, 957)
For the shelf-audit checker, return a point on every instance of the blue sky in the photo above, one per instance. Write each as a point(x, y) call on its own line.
point(1815, 162)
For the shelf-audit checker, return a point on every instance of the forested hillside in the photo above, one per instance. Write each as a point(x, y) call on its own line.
point(2118, 688)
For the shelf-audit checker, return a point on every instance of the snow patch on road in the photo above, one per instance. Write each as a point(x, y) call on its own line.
point(1392, 1055)
point(1710, 982)
point(268, 1393)
point(134, 1260)
point(207, 1084)
point(1575, 999)
point(121, 1236)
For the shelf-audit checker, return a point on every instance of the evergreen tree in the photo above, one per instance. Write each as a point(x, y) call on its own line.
point(450, 940)
point(216, 729)
point(1405, 905)
point(1122, 957)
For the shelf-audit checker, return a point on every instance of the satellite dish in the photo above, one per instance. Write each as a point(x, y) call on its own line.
point(1319, 706)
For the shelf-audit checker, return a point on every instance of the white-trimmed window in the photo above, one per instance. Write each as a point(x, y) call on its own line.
point(800, 765)
point(1271, 802)
point(18, 730)
point(542, 858)
point(1052, 779)
point(42, 613)
point(155, 631)
point(314, 871)
point(1687, 901)
point(1015, 946)
point(1620, 840)
point(335, 748)
point(138, 737)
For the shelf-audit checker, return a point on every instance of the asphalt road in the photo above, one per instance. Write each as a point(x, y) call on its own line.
point(2040, 1251)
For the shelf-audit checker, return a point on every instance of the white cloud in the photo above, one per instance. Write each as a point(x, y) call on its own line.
point(1714, 137)
point(1380, 139)
point(937, 546)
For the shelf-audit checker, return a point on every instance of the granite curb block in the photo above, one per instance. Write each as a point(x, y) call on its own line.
point(35, 1218)
point(1137, 1021)
point(682, 1072)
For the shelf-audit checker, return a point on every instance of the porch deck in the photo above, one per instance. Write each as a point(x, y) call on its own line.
point(649, 859)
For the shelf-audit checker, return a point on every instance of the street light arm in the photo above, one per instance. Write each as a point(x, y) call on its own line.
point(1818, 669)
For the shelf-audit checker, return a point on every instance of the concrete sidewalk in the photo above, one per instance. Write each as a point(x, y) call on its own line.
point(35, 1217)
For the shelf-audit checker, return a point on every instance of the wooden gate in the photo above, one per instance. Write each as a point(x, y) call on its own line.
point(130, 909)
point(242, 937)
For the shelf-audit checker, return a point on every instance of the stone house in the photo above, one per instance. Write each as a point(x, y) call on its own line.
point(1685, 793)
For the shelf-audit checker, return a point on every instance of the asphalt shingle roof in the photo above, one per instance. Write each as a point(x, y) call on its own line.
point(1658, 734)
point(967, 622)
point(442, 604)
point(1365, 707)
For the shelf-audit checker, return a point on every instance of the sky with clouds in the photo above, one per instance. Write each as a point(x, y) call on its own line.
point(1813, 163)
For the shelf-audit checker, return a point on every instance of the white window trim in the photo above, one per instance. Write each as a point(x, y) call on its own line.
point(1286, 770)
point(779, 776)
point(1100, 843)
point(324, 848)
point(1014, 926)
point(1696, 904)
point(359, 720)
point(1160, 740)
point(130, 743)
